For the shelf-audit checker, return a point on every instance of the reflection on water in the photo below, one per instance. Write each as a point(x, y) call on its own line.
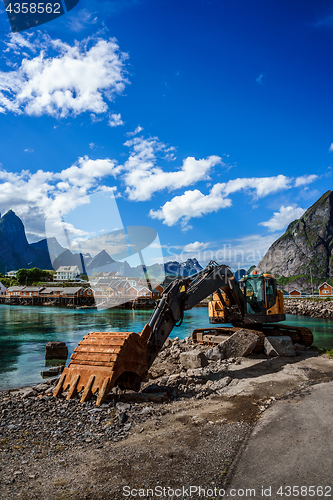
point(25, 331)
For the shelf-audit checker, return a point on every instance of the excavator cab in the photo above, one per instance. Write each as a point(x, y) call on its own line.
point(263, 302)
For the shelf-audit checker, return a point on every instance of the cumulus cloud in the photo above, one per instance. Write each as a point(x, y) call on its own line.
point(115, 120)
point(283, 217)
point(62, 79)
point(135, 132)
point(35, 196)
point(304, 180)
point(331, 147)
point(196, 204)
point(191, 204)
point(143, 177)
point(197, 246)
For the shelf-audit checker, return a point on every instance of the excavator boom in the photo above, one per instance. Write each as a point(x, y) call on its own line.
point(103, 360)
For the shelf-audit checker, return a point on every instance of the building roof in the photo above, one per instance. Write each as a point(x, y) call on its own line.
point(295, 290)
point(52, 289)
point(71, 290)
point(33, 288)
point(67, 269)
point(325, 283)
point(2, 285)
point(15, 288)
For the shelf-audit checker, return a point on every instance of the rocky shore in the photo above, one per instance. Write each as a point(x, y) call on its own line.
point(185, 426)
point(308, 307)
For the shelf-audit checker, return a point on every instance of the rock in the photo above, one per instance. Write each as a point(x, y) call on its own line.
point(217, 385)
point(25, 392)
point(55, 370)
point(241, 343)
point(193, 359)
point(305, 244)
point(279, 346)
point(215, 353)
point(56, 350)
point(50, 390)
point(122, 417)
point(41, 387)
point(122, 407)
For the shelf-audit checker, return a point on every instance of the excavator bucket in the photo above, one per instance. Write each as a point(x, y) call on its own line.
point(103, 360)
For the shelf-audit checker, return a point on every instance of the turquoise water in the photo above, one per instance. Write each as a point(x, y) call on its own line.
point(25, 331)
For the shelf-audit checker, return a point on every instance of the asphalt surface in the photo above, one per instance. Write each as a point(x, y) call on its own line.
point(291, 447)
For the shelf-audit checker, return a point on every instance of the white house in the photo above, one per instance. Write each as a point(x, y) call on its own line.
point(65, 273)
point(2, 289)
point(11, 274)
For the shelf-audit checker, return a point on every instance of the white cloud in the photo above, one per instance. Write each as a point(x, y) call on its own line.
point(135, 132)
point(304, 180)
point(62, 79)
point(195, 247)
point(191, 204)
point(331, 147)
point(28, 150)
point(196, 204)
point(34, 196)
point(143, 177)
point(262, 186)
point(283, 217)
point(115, 120)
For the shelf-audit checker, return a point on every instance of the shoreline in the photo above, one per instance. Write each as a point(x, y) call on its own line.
point(306, 307)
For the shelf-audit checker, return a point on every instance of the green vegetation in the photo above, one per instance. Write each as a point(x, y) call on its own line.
point(7, 282)
point(32, 276)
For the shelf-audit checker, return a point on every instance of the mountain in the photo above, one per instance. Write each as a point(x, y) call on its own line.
point(191, 266)
point(67, 258)
point(100, 260)
point(307, 244)
point(15, 251)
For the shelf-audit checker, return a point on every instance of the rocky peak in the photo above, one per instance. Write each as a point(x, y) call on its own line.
point(306, 245)
point(12, 227)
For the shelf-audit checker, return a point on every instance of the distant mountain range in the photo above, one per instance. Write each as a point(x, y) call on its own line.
point(307, 245)
point(17, 253)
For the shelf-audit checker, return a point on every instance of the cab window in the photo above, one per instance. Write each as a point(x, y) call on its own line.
point(270, 293)
point(255, 302)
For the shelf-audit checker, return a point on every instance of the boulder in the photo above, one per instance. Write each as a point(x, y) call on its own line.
point(55, 370)
point(241, 343)
point(215, 353)
point(279, 346)
point(56, 350)
point(193, 359)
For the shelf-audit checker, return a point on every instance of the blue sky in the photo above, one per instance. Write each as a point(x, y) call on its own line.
point(209, 121)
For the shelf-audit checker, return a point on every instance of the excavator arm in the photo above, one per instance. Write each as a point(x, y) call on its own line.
point(106, 359)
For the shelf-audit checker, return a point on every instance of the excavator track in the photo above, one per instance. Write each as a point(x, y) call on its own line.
point(213, 336)
point(103, 360)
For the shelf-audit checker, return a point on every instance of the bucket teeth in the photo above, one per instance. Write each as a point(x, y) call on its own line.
point(87, 393)
point(103, 392)
point(73, 387)
point(102, 358)
point(59, 387)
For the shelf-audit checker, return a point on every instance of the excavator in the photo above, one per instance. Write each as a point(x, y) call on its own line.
point(104, 360)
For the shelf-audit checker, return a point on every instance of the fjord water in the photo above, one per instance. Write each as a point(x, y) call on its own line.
point(25, 331)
